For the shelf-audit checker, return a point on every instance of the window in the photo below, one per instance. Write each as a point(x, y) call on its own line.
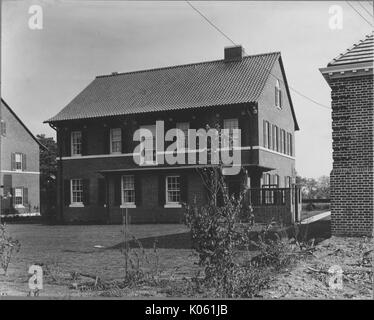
point(18, 196)
point(128, 190)
point(290, 149)
point(173, 192)
point(115, 140)
point(76, 191)
point(278, 95)
point(76, 143)
point(274, 137)
point(276, 148)
point(284, 142)
point(231, 124)
point(184, 126)
point(267, 135)
point(18, 161)
point(287, 182)
point(148, 134)
point(276, 181)
point(3, 128)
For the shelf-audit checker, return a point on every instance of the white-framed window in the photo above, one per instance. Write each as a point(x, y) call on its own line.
point(76, 143)
point(276, 181)
point(231, 124)
point(278, 95)
point(284, 142)
point(76, 187)
point(289, 144)
point(18, 197)
point(115, 140)
point(184, 126)
point(173, 190)
point(266, 134)
point(18, 162)
point(148, 134)
point(128, 190)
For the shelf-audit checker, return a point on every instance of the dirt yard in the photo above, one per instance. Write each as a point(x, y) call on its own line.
point(93, 252)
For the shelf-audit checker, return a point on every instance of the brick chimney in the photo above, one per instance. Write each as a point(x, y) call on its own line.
point(234, 53)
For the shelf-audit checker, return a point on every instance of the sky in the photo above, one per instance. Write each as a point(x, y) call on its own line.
point(42, 70)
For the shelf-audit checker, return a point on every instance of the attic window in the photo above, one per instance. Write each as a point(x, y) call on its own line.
point(278, 95)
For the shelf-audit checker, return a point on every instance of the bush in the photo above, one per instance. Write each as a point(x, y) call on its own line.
point(8, 246)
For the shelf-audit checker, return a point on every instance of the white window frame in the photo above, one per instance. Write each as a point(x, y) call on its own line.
point(231, 124)
point(18, 205)
point(15, 161)
point(172, 204)
point(73, 143)
point(184, 126)
point(76, 203)
point(112, 130)
point(123, 203)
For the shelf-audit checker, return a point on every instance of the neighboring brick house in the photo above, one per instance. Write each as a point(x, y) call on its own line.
point(97, 174)
point(350, 77)
point(19, 174)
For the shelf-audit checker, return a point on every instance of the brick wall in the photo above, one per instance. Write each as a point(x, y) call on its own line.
point(352, 177)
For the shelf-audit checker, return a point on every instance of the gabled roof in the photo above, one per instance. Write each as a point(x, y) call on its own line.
point(362, 51)
point(20, 121)
point(195, 85)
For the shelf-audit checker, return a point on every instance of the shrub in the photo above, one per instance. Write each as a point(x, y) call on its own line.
point(8, 246)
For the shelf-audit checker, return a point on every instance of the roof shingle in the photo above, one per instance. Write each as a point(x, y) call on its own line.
point(359, 52)
point(196, 85)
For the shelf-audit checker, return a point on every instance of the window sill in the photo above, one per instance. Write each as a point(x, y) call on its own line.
point(76, 155)
point(129, 205)
point(76, 205)
point(172, 205)
point(19, 206)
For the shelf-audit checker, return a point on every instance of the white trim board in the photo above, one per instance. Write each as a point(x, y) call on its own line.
point(18, 172)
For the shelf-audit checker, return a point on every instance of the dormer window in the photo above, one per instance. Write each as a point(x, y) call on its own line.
point(278, 95)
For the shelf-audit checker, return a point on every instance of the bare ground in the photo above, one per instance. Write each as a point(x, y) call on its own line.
point(67, 250)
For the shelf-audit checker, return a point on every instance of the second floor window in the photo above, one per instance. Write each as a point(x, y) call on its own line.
point(18, 161)
point(76, 143)
point(128, 190)
point(115, 140)
point(231, 124)
point(184, 126)
point(3, 128)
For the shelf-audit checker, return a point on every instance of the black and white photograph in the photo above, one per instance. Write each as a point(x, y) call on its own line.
point(199, 151)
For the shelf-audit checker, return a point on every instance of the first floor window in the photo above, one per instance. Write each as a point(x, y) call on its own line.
point(115, 140)
point(128, 190)
point(76, 143)
point(284, 142)
point(18, 196)
point(173, 191)
point(76, 191)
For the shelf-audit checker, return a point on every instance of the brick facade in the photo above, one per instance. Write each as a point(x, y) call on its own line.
point(352, 177)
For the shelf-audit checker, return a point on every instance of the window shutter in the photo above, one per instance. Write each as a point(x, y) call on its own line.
point(184, 188)
point(67, 192)
point(243, 123)
point(138, 189)
point(25, 195)
point(12, 193)
point(67, 144)
point(24, 167)
point(124, 143)
point(161, 190)
point(84, 142)
point(86, 191)
point(117, 190)
point(13, 161)
point(106, 140)
point(101, 197)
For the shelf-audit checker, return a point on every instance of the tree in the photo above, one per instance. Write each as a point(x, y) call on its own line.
point(48, 173)
point(312, 188)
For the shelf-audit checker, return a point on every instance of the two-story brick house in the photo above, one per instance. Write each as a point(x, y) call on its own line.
point(97, 173)
point(19, 174)
point(350, 76)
